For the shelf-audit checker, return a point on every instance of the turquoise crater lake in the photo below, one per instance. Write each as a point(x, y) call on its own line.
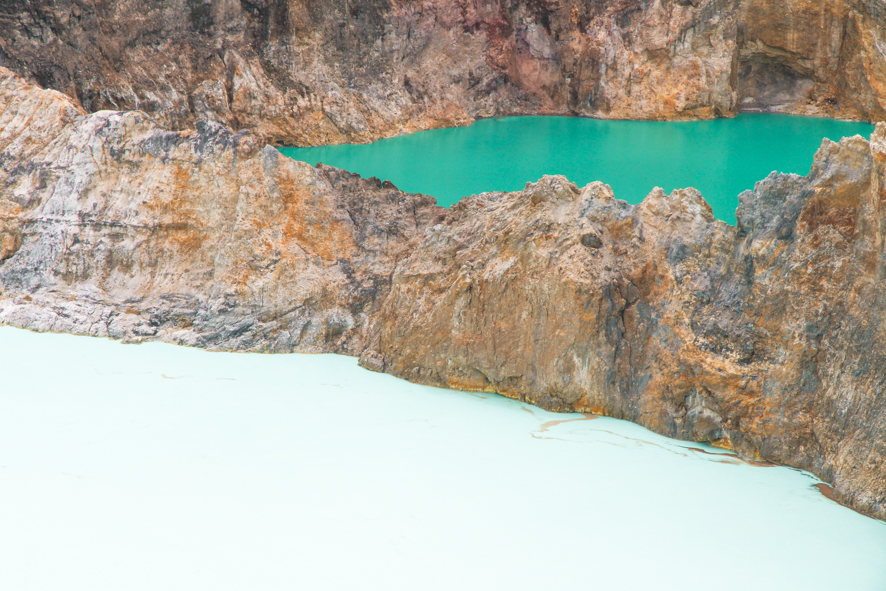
point(721, 158)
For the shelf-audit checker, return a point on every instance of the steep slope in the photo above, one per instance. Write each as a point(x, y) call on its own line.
point(329, 71)
point(112, 226)
point(767, 338)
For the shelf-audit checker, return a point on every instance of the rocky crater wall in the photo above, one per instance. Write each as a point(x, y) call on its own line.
point(768, 338)
point(312, 72)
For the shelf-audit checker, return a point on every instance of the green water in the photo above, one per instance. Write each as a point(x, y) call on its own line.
point(720, 158)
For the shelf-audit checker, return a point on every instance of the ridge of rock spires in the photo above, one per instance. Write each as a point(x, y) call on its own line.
point(315, 72)
point(767, 338)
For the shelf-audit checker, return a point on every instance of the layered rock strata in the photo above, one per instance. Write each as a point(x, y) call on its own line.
point(310, 72)
point(766, 338)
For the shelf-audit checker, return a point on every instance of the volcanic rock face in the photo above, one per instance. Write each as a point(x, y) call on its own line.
point(767, 337)
point(310, 72)
point(806, 57)
point(110, 226)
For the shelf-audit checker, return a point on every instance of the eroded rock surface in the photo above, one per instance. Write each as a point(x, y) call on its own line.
point(311, 72)
point(111, 226)
point(767, 338)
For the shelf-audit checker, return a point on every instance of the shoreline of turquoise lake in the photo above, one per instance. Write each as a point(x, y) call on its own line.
point(719, 157)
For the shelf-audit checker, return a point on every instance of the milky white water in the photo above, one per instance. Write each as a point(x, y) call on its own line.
point(159, 467)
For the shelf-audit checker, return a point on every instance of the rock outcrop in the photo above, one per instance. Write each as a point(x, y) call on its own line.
point(766, 338)
point(111, 226)
point(312, 72)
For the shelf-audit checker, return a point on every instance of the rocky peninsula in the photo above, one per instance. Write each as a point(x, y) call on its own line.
point(766, 338)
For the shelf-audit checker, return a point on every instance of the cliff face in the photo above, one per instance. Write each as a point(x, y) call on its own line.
point(807, 57)
point(311, 72)
point(767, 337)
point(110, 226)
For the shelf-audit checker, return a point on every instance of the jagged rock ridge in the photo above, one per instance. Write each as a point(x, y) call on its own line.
point(312, 72)
point(133, 231)
point(767, 337)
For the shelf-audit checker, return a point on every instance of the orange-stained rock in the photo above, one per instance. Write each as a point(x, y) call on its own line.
point(768, 337)
point(116, 227)
point(314, 72)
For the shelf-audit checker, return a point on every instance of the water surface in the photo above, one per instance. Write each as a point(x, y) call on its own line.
point(721, 158)
point(160, 467)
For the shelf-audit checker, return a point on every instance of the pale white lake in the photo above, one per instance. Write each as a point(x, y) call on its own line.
point(156, 467)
